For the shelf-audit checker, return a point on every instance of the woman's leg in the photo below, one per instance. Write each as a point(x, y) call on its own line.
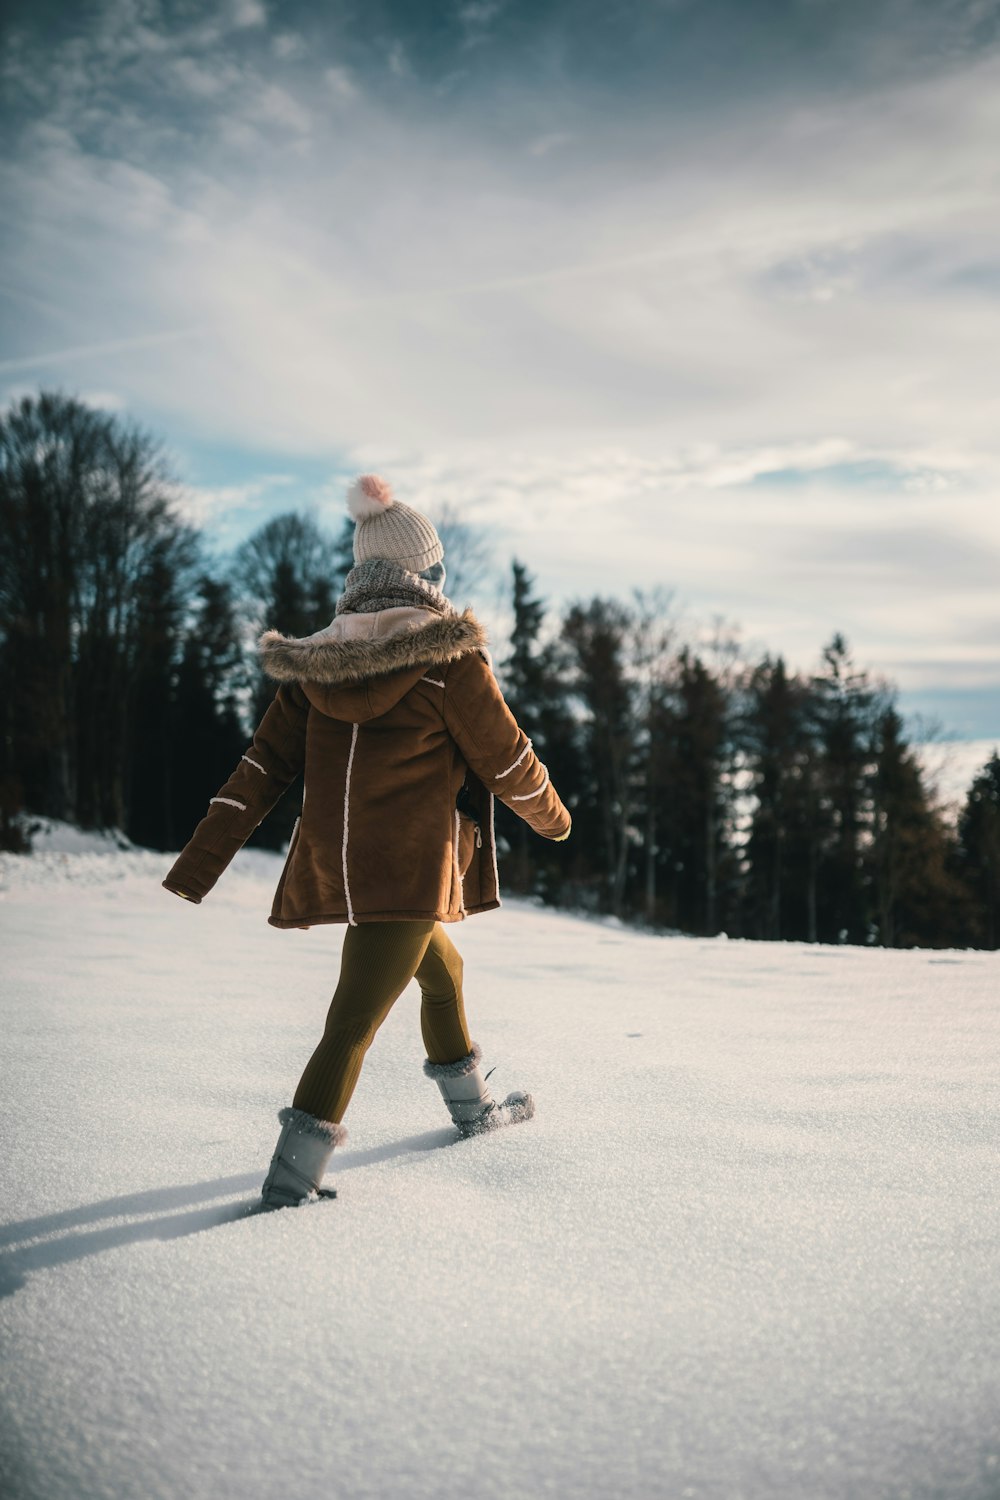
point(453, 1061)
point(378, 962)
point(442, 1009)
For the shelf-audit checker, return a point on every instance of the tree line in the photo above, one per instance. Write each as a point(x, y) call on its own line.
point(709, 793)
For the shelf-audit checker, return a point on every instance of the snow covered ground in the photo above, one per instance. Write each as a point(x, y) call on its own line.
point(749, 1249)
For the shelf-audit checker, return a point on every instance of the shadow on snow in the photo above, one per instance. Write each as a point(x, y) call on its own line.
point(18, 1259)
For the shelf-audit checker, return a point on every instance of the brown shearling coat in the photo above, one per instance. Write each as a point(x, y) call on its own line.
point(405, 739)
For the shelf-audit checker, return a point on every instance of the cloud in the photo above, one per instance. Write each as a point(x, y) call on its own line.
point(551, 142)
point(89, 352)
point(479, 12)
point(247, 13)
point(738, 348)
point(341, 83)
point(288, 46)
point(221, 508)
point(104, 400)
point(398, 61)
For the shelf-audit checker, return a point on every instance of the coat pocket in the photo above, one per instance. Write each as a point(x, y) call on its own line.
point(470, 839)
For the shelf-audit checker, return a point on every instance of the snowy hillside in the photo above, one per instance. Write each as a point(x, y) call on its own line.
point(749, 1249)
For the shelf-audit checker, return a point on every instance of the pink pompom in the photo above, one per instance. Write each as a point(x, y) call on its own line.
point(369, 495)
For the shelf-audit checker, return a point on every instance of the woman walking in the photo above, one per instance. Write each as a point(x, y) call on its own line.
point(394, 715)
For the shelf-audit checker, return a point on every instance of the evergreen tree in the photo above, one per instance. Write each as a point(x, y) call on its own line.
point(777, 747)
point(343, 556)
point(526, 666)
point(286, 577)
point(150, 751)
point(701, 859)
point(653, 669)
point(843, 706)
point(915, 897)
point(534, 686)
point(595, 637)
point(206, 718)
point(979, 853)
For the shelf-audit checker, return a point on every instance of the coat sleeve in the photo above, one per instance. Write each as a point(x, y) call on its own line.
point(497, 749)
point(271, 763)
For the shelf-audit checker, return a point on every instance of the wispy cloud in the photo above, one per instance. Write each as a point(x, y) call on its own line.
point(95, 351)
point(752, 331)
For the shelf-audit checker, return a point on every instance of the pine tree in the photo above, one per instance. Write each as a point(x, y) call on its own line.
point(916, 900)
point(776, 739)
point(701, 857)
point(595, 637)
point(343, 556)
point(526, 665)
point(843, 708)
point(286, 577)
point(151, 752)
point(979, 853)
point(206, 718)
point(653, 669)
point(534, 686)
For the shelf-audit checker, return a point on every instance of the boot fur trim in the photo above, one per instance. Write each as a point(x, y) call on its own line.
point(458, 1069)
point(305, 1124)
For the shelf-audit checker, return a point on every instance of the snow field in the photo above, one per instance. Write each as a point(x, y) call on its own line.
point(747, 1250)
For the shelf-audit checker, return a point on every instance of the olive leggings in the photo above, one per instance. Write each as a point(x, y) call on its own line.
point(378, 962)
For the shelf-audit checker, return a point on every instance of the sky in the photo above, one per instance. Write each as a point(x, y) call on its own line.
point(700, 295)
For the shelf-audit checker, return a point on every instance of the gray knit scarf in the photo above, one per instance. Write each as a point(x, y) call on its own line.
point(376, 585)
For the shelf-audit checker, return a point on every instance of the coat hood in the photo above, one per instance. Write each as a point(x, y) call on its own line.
point(360, 665)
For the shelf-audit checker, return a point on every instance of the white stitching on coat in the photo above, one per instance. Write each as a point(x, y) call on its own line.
point(433, 680)
point(347, 800)
point(229, 801)
point(256, 763)
point(527, 796)
point(501, 774)
point(493, 850)
point(458, 867)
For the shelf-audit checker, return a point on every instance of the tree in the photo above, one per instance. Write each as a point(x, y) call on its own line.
point(595, 637)
point(701, 854)
point(52, 453)
point(85, 513)
point(533, 682)
point(343, 555)
point(652, 666)
point(467, 555)
point(916, 897)
point(843, 704)
point(286, 574)
point(206, 716)
point(979, 853)
point(286, 577)
point(776, 739)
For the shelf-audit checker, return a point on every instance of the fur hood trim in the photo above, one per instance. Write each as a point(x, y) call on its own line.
point(460, 1069)
point(303, 1124)
point(325, 658)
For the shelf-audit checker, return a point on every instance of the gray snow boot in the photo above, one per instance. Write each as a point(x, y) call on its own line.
point(304, 1147)
point(467, 1094)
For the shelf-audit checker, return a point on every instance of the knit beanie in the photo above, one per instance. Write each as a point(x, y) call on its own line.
point(389, 530)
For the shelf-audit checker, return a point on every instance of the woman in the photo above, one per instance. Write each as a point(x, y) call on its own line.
point(395, 717)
